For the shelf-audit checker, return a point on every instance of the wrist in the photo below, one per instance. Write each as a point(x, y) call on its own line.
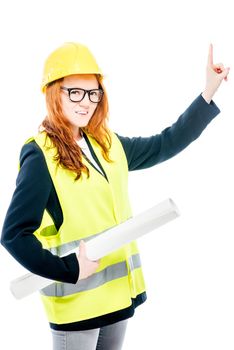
point(207, 96)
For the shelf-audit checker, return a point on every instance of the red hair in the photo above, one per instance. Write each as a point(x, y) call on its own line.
point(59, 130)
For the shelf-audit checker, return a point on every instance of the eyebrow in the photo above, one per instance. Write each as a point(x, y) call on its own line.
point(78, 87)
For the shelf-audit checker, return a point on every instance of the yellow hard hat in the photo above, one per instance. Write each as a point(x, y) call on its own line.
point(70, 58)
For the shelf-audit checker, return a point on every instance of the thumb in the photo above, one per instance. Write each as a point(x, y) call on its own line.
point(82, 248)
point(225, 73)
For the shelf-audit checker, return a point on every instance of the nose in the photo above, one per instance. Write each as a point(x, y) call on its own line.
point(85, 102)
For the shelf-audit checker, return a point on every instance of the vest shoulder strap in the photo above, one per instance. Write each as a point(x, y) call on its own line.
point(32, 138)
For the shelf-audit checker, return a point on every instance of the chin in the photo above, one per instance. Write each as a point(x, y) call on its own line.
point(82, 126)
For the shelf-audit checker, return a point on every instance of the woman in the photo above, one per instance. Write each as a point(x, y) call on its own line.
point(72, 185)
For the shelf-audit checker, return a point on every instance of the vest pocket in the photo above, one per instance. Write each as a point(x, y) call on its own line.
point(49, 231)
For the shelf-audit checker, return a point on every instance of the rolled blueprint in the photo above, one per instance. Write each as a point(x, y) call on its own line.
point(105, 243)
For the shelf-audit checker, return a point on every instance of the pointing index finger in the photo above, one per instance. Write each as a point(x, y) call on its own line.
point(210, 56)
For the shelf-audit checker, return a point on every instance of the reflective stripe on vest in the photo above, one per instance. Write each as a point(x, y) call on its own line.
point(90, 206)
point(108, 274)
point(67, 247)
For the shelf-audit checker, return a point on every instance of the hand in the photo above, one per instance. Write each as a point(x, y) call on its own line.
point(215, 73)
point(87, 267)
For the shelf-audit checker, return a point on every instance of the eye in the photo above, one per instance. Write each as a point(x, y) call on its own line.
point(94, 93)
point(76, 92)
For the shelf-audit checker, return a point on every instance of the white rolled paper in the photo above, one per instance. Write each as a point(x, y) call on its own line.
point(105, 243)
point(131, 229)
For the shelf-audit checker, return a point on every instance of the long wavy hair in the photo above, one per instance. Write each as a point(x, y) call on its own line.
point(59, 130)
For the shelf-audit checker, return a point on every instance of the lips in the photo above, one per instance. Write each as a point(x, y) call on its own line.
point(81, 112)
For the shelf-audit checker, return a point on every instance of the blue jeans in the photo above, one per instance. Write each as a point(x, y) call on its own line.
point(105, 338)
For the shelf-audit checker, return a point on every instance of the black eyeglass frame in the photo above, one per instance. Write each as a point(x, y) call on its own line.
point(69, 90)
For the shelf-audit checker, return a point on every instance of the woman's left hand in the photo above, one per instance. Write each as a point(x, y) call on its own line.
point(215, 73)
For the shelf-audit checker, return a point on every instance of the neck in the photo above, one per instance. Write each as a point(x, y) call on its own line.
point(78, 135)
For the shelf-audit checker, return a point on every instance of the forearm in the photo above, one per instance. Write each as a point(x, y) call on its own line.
point(23, 218)
point(28, 251)
point(144, 152)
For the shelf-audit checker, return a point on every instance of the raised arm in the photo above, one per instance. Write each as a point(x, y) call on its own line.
point(144, 152)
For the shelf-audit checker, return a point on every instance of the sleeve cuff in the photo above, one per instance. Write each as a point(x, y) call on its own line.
point(210, 105)
point(73, 267)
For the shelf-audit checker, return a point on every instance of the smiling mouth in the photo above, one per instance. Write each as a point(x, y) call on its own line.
point(81, 113)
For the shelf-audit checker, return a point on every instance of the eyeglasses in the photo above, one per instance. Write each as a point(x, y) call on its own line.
point(77, 94)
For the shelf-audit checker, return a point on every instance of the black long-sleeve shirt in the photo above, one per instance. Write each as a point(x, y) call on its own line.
point(35, 192)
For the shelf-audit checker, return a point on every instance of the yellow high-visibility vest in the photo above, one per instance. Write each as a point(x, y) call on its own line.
point(90, 206)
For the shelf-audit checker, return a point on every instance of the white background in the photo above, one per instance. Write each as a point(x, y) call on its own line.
point(159, 49)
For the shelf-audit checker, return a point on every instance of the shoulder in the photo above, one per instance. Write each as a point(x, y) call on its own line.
point(31, 152)
point(33, 170)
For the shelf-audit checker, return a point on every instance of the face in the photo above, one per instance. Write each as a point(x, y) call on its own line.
point(78, 113)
